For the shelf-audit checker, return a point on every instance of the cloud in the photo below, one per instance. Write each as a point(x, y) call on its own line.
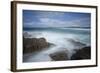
point(48, 22)
point(49, 14)
point(60, 23)
point(55, 19)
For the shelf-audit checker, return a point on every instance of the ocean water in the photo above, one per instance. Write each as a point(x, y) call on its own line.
point(63, 38)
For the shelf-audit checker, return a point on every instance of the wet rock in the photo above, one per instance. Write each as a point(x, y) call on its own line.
point(84, 53)
point(42, 43)
point(59, 56)
point(34, 44)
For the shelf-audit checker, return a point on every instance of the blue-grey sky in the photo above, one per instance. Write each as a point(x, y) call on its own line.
point(33, 18)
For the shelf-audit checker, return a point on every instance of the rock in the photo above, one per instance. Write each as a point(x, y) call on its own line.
point(59, 56)
point(51, 44)
point(42, 43)
point(34, 44)
point(26, 34)
point(84, 53)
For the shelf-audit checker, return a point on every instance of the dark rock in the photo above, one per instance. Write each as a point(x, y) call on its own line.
point(51, 44)
point(59, 56)
point(42, 43)
point(34, 44)
point(84, 53)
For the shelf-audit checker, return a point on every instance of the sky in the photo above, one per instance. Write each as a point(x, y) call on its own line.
point(33, 18)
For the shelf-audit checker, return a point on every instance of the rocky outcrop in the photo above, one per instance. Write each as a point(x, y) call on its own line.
point(34, 44)
point(26, 34)
point(59, 56)
point(84, 53)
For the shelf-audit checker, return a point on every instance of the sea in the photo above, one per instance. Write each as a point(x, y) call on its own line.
point(64, 38)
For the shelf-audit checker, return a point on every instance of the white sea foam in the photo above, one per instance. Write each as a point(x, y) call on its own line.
point(62, 41)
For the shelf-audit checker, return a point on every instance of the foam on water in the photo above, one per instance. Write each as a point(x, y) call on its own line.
point(61, 41)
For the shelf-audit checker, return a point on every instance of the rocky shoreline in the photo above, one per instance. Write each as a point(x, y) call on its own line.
point(37, 44)
point(84, 53)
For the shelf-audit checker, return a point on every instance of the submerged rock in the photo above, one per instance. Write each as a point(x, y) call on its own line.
point(84, 53)
point(34, 44)
point(76, 44)
point(59, 56)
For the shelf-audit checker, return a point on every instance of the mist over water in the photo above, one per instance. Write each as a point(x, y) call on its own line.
point(62, 38)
